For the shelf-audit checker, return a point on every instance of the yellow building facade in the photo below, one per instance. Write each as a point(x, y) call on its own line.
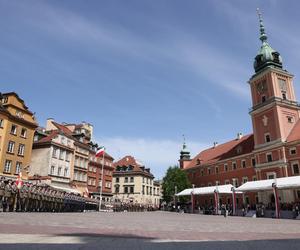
point(17, 126)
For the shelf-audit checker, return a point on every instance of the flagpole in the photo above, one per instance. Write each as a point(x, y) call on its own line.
point(100, 202)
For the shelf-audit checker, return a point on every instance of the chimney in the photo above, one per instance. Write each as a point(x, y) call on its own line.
point(215, 144)
point(239, 136)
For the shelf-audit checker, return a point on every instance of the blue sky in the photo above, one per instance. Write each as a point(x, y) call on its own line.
point(143, 72)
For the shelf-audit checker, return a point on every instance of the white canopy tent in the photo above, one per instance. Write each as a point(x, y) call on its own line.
point(223, 189)
point(263, 185)
point(212, 190)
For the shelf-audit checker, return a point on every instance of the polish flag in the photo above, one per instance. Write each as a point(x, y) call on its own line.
point(100, 151)
point(19, 181)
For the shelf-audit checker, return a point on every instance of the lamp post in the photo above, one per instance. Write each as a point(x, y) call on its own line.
point(175, 201)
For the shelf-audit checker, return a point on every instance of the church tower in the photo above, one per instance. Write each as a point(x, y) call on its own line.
point(274, 109)
point(185, 157)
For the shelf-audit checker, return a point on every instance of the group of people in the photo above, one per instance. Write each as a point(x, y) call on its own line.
point(31, 197)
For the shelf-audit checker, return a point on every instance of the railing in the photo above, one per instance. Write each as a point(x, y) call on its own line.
point(276, 99)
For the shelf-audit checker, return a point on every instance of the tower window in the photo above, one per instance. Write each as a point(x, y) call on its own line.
point(269, 157)
point(263, 98)
point(267, 138)
point(296, 168)
point(290, 119)
point(283, 95)
point(293, 151)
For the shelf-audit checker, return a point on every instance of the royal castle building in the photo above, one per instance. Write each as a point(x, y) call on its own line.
point(272, 150)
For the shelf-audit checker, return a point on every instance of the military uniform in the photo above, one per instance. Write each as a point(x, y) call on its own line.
point(2, 188)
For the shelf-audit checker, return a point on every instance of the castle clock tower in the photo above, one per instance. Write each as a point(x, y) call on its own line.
point(274, 109)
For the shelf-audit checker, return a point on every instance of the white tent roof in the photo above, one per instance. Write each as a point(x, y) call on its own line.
point(223, 189)
point(281, 183)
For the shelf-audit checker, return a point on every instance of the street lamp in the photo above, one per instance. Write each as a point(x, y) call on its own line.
point(175, 203)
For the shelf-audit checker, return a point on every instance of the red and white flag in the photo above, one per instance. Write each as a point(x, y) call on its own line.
point(19, 181)
point(100, 151)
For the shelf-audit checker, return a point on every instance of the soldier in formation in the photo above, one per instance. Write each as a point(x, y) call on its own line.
point(37, 198)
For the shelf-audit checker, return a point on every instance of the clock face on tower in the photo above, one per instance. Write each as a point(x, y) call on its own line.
point(261, 87)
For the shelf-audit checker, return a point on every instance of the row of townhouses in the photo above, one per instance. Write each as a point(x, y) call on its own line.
point(63, 156)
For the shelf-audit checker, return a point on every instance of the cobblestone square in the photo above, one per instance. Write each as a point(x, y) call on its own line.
point(148, 230)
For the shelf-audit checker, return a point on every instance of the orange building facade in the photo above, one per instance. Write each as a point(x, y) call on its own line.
point(271, 151)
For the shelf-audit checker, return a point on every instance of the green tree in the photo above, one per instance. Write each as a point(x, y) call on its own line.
point(175, 178)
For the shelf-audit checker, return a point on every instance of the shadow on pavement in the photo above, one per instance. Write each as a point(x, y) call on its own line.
point(99, 241)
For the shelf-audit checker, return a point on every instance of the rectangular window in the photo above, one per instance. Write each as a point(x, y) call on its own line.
point(267, 137)
point(235, 182)
point(68, 156)
point(126, 190)
point(18, 167)
point(66, 172)
point(217, 170)
point(61, 154)
point(7, 166)
point(290, 119)
point(21, 149)
point(11, 147)
point(234, 165)
point(23, 132)
point(1, 123)
point(243, 164)
point(227, 182)
point(263, 98)
point(253, 162)
point(54, 152)
point(117, 189)
point(254, 178)
point(293, 151)
point(202, 172)
point(143, 189)
point(13, 129)
point(59, 171)
point(126, 179)
point(225, 167)
point(52, 170)
point(269, 157)
point(132, 189)
point(208, 171)
point(131, 179)
point(245, 179)
point(295, 168)
point(283, 95)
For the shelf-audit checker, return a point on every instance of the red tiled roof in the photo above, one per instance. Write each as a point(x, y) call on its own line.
point(224, 151)
point(62, 128)
point(295, 133)
point(131, 161)
point(49, 137)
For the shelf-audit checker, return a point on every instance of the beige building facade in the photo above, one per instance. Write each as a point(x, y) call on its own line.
point(134, 184)
point(17, 126)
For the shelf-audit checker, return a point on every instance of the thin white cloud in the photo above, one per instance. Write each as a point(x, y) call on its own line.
point(176, 48)
point(158, 154)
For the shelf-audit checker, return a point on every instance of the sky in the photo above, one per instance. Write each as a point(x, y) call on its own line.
point(143, 72)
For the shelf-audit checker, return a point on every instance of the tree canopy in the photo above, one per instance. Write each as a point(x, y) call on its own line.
point(175, 177)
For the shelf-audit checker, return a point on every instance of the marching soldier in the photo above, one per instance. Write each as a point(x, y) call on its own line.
point(7, 195)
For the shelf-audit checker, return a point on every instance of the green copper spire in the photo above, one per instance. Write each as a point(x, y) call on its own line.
point(267, 56)
point(184, 153)
point(263, 36)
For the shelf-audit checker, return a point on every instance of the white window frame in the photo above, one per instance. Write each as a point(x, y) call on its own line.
point(270, 174)
point(7, 166)
point(232, 164)
point(52, 170)
point(18, 167)
point(11, 147)
point(23, 132)
point(13, 132)
point(242, 163)
point(265, 136)
point(21, 149)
